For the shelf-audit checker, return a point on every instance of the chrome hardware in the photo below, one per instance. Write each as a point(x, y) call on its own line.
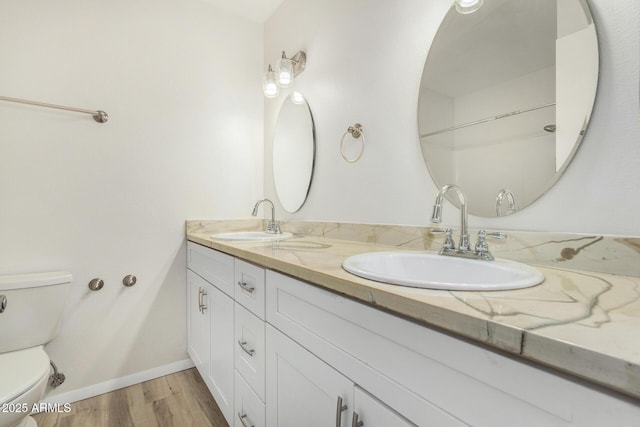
point(273, 226)
point(3, 303)
point(243, 346)
point(500, 235)
point(355, 422)
point(448, 241)
point(56, 378)
point(96, 284)
point(357, 132)
point(243, 417)
point(129, 280)
point(340, 408)
point(481, 250)
point(245, 287)
point(200, 291)
point(202, 306)
point(436, 217)
point(98, 115)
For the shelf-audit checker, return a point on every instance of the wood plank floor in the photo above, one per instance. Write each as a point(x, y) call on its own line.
point(181, 400)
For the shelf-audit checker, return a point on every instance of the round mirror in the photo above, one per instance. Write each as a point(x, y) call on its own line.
point(505, 98)
point(294, 152)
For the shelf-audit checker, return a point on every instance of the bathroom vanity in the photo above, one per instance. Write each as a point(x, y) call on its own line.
point(283, 336)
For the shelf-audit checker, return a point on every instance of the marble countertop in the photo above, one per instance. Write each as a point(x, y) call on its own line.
point(582, 323)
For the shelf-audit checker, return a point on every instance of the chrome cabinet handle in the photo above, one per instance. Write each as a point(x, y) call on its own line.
point(245, 348)
point(200, 300)
point(246, 287)
point(355, 421)
point(202, 306)
point(243, 417)
point(340, 408)
point(3, 303)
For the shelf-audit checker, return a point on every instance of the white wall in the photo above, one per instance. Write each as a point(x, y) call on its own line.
point(364, 63)
point(180, 81)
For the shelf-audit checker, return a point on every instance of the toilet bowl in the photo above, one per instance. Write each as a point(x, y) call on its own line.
point(25, 374)
point(30, 314)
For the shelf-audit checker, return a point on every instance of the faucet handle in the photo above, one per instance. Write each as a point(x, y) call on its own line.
point(482, 248)
point(448, 240)
point(481, 245)
point(500, 235)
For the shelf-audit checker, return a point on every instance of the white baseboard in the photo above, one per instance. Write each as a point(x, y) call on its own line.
point(118, 383)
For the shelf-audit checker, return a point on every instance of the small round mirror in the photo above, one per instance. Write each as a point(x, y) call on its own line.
point(294, 150)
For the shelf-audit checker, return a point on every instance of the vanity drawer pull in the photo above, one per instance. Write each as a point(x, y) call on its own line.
point(340, 408)
point(246, 287)
point(355, 421)
point(245, 348)
point(243, 417)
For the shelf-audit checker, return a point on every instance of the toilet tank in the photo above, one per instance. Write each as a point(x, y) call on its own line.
point(34, 306)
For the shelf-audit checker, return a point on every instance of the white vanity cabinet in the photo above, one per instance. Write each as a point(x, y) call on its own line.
point(296, 354)
point(210, 321)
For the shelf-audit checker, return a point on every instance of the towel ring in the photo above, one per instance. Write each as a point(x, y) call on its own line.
point(356, 132)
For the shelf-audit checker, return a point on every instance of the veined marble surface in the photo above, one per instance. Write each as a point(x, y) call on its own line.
point(577, 321)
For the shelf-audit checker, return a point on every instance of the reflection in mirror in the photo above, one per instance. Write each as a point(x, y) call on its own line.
point(505, 98)
point(294, 151)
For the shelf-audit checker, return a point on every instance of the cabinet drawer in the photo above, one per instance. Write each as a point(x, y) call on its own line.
point(250, 349)
point(372, 413)
point(215, 267)
point(249, 287)
point(249, 409)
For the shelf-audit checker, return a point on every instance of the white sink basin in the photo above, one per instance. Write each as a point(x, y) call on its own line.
point(432, 271)
point(251, 236)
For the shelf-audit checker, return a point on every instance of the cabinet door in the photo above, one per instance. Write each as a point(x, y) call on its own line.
point(370, 412)
point(197, 323)
point(302, 390)
point(220, 309)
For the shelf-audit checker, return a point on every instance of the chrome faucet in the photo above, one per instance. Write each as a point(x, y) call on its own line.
point(512, 207)
point(273, 226)
point(481, 249)
point(436, 217)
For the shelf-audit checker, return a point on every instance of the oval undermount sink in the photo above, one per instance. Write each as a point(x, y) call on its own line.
point(251, 236)
point(432, 271)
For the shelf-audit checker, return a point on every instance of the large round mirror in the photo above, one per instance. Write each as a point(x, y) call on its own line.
point(505, 98)
point(294, 151)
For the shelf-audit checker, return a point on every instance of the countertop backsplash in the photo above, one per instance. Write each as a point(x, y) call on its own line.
point(586, 252)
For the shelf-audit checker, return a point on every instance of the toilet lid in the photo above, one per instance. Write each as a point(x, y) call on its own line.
point(20, 370)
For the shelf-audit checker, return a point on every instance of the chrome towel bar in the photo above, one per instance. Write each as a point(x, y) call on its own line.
point(98, 115)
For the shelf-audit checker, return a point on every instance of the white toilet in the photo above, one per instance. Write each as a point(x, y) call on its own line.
point(31, 307)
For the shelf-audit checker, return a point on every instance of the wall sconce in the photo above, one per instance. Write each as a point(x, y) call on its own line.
point(286, 71)
point(468, 6)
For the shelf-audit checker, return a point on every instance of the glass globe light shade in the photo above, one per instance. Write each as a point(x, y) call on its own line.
point(285, 72)
point(269, 84)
